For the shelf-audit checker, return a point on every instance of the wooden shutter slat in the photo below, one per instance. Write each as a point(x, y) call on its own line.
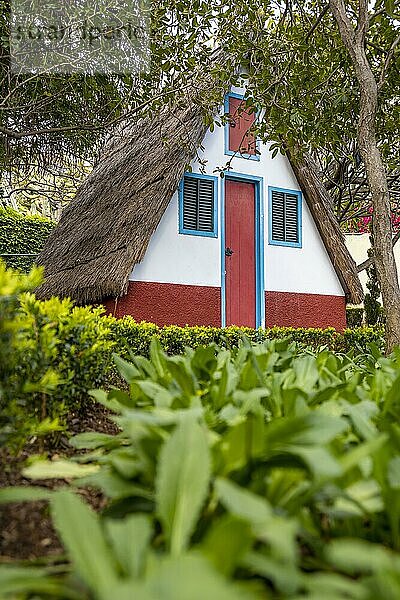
point(198, 204)
point(291, 218)
point(278, 216)
point(285, 217)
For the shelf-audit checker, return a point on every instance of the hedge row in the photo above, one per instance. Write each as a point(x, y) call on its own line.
point(130, 336)
point(22, 234)
point(54, 352)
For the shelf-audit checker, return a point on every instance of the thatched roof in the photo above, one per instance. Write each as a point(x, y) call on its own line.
point(106, 229)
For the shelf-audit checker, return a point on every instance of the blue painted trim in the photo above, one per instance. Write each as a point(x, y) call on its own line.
point(226, 132)
point(299, 195)
point(214, 233)
point(259, 208)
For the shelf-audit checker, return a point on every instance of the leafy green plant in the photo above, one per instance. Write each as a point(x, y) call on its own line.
point(263, 471)
point(51, 354)
point(373, 308)
point(61, 351)
point(354, 316)
point(14, 422)
point(22, 235)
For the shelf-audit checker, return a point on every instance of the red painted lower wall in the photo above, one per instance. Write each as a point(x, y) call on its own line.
point(169, 304)
point(287, 309)
point(174, 304)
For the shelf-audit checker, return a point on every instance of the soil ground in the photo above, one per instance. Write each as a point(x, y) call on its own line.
point(26, 531)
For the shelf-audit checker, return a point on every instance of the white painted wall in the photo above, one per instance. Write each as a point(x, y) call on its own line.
point(195, 260)
point(358, 244)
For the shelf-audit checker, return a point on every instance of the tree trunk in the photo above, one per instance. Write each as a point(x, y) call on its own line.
point(354, 41)
point(320, 205)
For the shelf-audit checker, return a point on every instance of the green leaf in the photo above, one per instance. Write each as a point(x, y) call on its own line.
point(227, 542)
point(283, 575)
point(394, 473)
point(130, 538)
point(182, 481)
point(242, 503)
point(24, 494)
point(58, 469)
point(192, 577)
point(359, 556)
point(113, 485)
point(102, 397)
point(81, 534)
point(161, 397)
point(126, 369)
point(93, 439)
point(29, 580)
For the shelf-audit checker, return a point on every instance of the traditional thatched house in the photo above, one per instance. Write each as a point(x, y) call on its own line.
point(149, 237)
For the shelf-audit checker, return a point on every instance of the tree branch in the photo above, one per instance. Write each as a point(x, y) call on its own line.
point(388, 59)
point(317, 22)
point(370, 261)
point(363, 21)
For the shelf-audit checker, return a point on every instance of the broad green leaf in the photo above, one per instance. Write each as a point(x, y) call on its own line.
point(130, 538)
point(284, 576)
point(306, 373)
point(30, 580)
point(361, 414)
point(182, 481)
point(192, 577)
point(332, 585)
point(161, 397)
point(113, 485)
point(359, 556)
point(126, 369)
point(24, 494)
point(313, 428)
point(82, 536)
point(279, 532)
point(58, 469)
point(242, 503)
point(360, 498)
point(226, 542)
point(92, 440)
point(394, 473)
point(157, 357)
point(357, 454)
point(319, 460)
point(102, 398)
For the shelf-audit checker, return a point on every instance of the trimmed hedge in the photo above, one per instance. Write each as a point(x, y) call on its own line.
point(130, 336)
point(354, 316)
point(55, 352)
point(22, 234)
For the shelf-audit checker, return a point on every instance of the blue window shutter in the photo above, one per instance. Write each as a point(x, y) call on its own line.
point(198, 204)
point(285, 217)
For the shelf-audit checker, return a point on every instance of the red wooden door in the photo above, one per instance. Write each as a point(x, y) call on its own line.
point(240, 253)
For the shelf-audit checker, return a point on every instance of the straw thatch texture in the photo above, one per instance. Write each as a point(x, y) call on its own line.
point(105, 231)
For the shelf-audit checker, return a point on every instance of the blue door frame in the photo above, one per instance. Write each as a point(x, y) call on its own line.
point(259, 202)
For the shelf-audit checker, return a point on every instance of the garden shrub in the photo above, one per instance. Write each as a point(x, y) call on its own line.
point(22, 234)
point(51, 354)
point(132, 337)
point(73, 343)
point(60, 351)
point(354, 316)
point(12, 328)
point(266, 471)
